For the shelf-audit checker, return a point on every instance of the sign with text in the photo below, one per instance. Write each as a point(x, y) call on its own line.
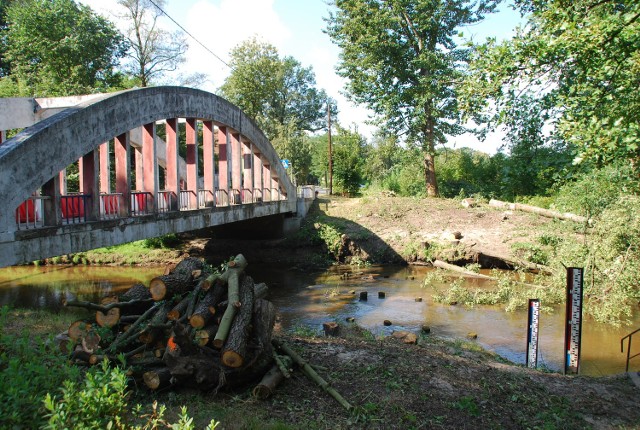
point(573, 327)
point(532, 335)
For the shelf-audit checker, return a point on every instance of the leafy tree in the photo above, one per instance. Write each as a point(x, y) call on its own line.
point(402, 60)
point(465, 172)
point(581, 61)
point(277, 92)
point(349, 155)
point(152, 50)
point(4, 66)
point(57, 47)
point(293, 145)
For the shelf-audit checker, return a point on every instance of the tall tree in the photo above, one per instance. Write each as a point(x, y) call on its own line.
point(277, 92)
point(57, 47)
point(153, 51)
point(581, 61)
point(402, 60)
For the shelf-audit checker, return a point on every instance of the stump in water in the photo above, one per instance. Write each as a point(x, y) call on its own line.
point(331, 328)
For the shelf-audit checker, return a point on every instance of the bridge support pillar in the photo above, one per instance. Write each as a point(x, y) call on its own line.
point(223, 166)
point(247, 173)
point(51, 205)
point(122, 150)
point(257, 176)
point(150, 164)
point(192, 162)
point(236, 168)
point(105, 169)
point(171, 179)
point(89, 185)
point(208, 162)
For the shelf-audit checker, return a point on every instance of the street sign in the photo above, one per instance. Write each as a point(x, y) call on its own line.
point(533, 331)
point(286, 163)
point(573, 327)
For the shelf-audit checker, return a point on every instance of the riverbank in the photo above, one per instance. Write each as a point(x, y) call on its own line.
point(433, 383)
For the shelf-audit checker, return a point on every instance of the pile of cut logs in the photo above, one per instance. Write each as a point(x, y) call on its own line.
point(191, 326)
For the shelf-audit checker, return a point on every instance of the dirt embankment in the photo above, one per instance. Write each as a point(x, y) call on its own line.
point(392, 230)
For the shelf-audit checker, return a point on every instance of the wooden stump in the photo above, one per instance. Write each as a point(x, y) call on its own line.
point(363, 296)
point(331, 328)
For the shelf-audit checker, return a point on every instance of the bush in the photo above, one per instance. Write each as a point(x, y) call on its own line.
point(101, 403)
point(29, 368)
point(166, 241)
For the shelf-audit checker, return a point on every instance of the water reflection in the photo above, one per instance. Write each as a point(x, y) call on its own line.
point(309, 299)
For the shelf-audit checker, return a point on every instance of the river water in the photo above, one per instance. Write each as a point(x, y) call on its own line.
point(309, 299)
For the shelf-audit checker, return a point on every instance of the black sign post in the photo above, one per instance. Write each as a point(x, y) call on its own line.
point(532, 334)
point(573, 328)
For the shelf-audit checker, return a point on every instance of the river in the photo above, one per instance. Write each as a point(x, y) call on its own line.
point(309, 299)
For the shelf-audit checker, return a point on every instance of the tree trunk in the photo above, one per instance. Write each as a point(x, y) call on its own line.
point(548, 213)
point(158, 378)
point(206, 335)
point(136, 292)
point(235, 348)
point(177, 282)
point(267, 385)
point(204, 311)
point(430, 175)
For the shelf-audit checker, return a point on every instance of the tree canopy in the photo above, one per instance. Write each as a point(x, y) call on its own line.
point(59, 48)
point(276, 91)
point(152, 51)
point(402, 60)
point(579, 62)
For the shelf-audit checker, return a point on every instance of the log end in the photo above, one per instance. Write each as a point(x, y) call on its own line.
point(197, 321)
point(232, 359)
point(261, 392)
point(108, 320)
point(158, 289)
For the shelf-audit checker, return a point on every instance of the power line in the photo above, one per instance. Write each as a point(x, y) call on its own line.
point(191, 35)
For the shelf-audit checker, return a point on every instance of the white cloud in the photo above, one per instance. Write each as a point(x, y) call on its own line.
point(222, 27)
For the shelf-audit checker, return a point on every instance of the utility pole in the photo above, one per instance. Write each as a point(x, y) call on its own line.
point(330, 151)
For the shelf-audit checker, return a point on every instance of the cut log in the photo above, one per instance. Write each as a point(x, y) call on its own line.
point(514, 262)
point(235, 348)
point(267, 385)
point(90, 341)
point(111, 317)
point(136, 292)
point(234, 268)
point(177, 282)
point(312, 374)
point(157, 379)
point(179, 310)
point(63, 340)
point(539, 211)
point(442, 265)
point(232, 274)
point(260, 291)
point(204, 311)
point(78, 329)
point(206, 334)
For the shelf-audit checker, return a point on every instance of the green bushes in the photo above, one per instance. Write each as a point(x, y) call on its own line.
point(29, 368)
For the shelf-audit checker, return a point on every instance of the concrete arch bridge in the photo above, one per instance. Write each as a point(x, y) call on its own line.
point(132, 182)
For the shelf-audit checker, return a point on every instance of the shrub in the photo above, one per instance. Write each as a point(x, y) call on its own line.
point(28, 370)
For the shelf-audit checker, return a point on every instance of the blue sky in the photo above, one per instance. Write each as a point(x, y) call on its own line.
point(295, 27)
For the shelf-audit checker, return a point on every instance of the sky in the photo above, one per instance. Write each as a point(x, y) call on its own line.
point(295, 28)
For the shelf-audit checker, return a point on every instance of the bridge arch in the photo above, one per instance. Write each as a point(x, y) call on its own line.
point(38, 153)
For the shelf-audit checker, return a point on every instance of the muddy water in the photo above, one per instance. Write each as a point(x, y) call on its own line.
point(309, 299)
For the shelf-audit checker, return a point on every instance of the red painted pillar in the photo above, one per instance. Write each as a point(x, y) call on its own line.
point(122, 150)
point(89, 185)
point(192, 162)
point(223, 166)
point(257, 176)
point(266, 180)
point(105, 169)
point(172, 177)
point(139, 169)
point(62, 182)
point(247, 174)
point(236, 168)
point(208, 164)
point(150, 164)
